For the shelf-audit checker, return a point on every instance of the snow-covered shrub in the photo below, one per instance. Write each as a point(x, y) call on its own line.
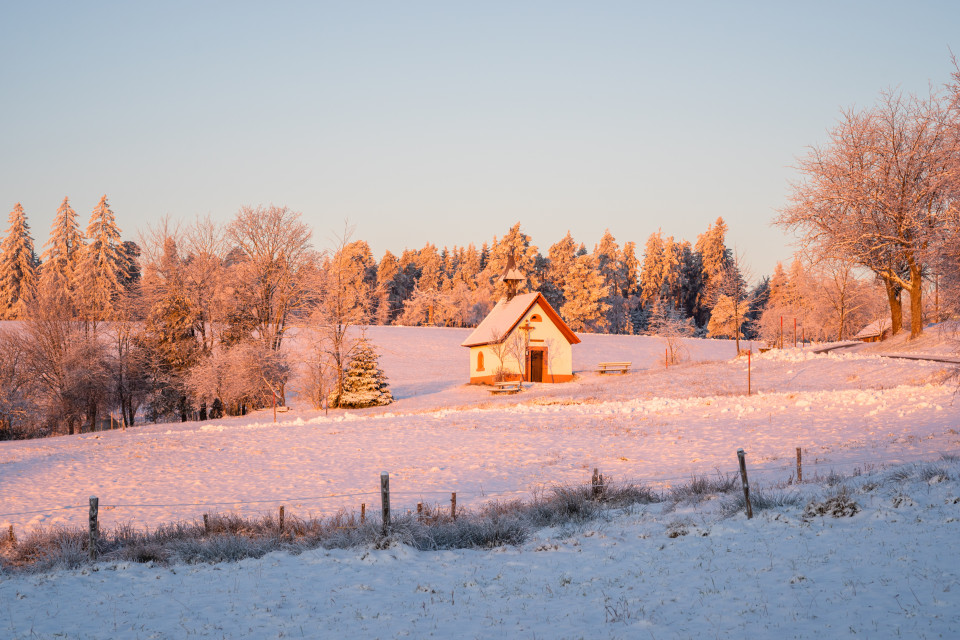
point(364, 383)
point(838, 506)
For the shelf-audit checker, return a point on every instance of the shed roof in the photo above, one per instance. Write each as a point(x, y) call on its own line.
point(505, 316)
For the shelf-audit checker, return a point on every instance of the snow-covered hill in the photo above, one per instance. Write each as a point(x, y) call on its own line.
point(774, 576)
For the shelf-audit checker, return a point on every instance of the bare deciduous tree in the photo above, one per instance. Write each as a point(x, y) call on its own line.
point(278, 267)
point(878, 193)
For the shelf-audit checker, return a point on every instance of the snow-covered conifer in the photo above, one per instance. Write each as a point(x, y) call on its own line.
point(101, 265)
point(63, 249)
point(585, 291)
point(560, 258)
point(652, 271)
point(18, 267)
point(364, 383)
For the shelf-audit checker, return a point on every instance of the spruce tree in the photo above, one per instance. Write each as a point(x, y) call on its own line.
point(561, 257)
point(515, 243)
point(101, 265)
point(62, 252)
point(18, 267)
point(653, 269)
point(585, 292)
point(364, 383)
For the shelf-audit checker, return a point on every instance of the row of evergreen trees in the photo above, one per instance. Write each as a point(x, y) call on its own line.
point(607, 290)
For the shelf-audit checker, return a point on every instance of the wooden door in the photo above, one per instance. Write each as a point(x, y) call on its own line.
point(536, 366)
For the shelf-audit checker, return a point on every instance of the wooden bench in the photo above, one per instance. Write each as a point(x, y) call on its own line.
point(511, 386)
point(613, 367)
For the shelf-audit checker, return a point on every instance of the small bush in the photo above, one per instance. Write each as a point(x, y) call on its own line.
point(839, 505)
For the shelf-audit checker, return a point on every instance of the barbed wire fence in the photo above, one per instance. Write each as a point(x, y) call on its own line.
point(773, 473)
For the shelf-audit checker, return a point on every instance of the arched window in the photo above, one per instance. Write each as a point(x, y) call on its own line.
point(536, 318)
point(480, 361)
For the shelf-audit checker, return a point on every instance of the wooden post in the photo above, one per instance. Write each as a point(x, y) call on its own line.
point(794, 333)
point(274, 394)
point(419, 512)
point(453, 505)
point(799, 466)
point(13, 538)
point(666, 358)
point(746, 485)
point(363, 512)
point(597, 483)
point(781, 332)
point(94, 529)
point(206, 524)
point(749, 368)
point(385, 500)
point(281, 518)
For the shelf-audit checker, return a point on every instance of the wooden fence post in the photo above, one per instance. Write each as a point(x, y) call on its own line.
point(453, 505)
point(746, 485)
point(363, 512)
point(94, 528)
point(597, 483)
point(799, 466)
point(206, 524)
point(13, 538)
point(749, 369)
point(281, 518)
point(419, 512)
point(385, 500)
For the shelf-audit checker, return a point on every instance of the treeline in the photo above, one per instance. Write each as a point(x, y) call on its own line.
point(190, 322)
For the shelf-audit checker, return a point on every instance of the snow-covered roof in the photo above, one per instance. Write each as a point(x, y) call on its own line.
point(875, 328)
point(507, 314)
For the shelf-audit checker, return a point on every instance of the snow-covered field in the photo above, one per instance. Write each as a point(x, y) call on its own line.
point(887, 570)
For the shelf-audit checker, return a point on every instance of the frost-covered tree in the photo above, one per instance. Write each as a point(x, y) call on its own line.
point(387, 291)
point(585, 292)
point(653, 270)
point(275, 278)
point(667, 323)
point(63, 249)
point(726, 319)
point(613, 270)
point(18, 267)
point(560, 259)
point(715, 259)
point(882, 192)
point(101, 266)
point(515, 243)
point(364, 383)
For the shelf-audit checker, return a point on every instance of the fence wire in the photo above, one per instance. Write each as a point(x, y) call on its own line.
point(531, 488)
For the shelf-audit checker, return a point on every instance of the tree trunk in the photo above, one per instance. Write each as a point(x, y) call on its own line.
point(916, 302)
point(896, 306)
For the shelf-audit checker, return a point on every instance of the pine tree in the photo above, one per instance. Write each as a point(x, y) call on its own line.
point(585, 291)
point(63, 250)
point(364, 383)
point(101, 265)
point(18, 267)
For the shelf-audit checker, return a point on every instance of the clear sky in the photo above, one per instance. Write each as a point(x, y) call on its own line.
point(446, 122)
